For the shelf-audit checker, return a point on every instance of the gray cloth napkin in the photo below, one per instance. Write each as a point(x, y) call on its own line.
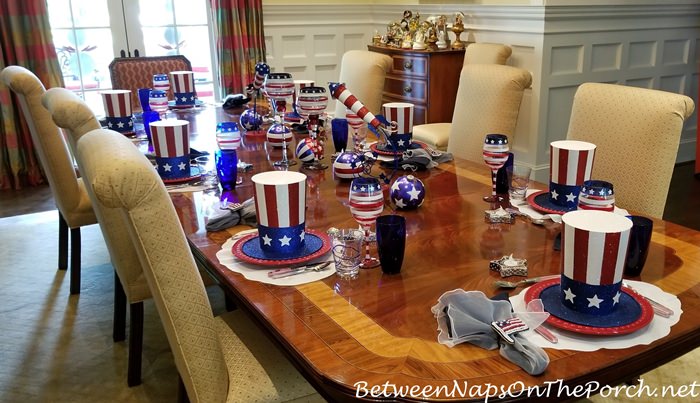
point(466, 316)
point(230, 217)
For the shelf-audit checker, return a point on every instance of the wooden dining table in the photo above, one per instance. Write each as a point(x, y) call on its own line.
point(377, 331)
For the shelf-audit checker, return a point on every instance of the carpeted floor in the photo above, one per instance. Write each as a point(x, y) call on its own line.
point(58, 348)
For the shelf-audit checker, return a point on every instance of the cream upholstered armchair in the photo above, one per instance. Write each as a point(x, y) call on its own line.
point(74, 207)
point(73, 114)
point(488, 101)
point(437, 135)
point(636, 131)
point(363, 73)
point(218, 359)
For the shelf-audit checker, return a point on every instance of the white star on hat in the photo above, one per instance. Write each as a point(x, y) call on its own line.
point(182, 166)
point(616, 298)
point(183, 99)
point(302, 235)
point(120, 125)
point(555, 194)
point(285, 240)
point(595, 301)
point(400, 143)
point(569, 295)
point(570, 197)
point(167, 167)
point(109, 125)
point(267, 240)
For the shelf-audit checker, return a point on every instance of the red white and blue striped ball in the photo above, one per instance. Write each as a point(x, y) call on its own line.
point(251, 120)
point(305, 150)
point(279, 135)
point(407, 192)
point(348, 165)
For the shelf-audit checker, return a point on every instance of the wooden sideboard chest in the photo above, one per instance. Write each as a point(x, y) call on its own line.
point(427, 79)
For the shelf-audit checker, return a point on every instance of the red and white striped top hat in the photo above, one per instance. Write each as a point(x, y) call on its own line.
point(571, 163)
point(280, 203)
point(182, 81)
point(594, 247)
point(400, 115)
point(117, 103)
point(170, 138)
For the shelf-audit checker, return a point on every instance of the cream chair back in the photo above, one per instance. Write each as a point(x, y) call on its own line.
point(124, 179)
point(363, 73)
point(637, 132)
point(488, 101)
point(487, 53)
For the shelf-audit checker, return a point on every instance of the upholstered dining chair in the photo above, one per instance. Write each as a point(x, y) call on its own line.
point(218, 359)
point(363, 73)
point(72, 201)
point(437, 135)
point(132, 73)
point(71, 113)
point(488, 101)
point(637, 132)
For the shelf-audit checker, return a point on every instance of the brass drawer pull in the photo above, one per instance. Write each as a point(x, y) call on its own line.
point(407, 89)
point(408, 65)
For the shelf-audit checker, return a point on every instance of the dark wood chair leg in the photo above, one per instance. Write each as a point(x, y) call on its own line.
point(75, 260)
point(62, 243)
point(119, 326)
point(181, 391)
point(135, 343)
point(230, 303)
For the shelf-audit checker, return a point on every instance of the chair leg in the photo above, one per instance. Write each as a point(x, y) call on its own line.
point(135, 343)
point(181, 391)
point(62, 243)
point(230, 303)
point(119, 325)
point(75, 260)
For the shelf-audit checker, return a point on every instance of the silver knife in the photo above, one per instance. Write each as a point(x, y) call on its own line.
point(289, 271)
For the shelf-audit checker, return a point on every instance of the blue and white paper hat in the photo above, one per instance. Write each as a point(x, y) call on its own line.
point(117, 104)
point(171, 144)
point(280, 204)
point(594, 247)
point(400, 116)
point(183, 87)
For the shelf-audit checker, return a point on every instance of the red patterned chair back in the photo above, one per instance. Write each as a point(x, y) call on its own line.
point(132, 73)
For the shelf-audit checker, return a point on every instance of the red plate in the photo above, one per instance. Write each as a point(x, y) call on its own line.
point(645, 317)
point(237, 251)
point(374, 147)
point(194, 174)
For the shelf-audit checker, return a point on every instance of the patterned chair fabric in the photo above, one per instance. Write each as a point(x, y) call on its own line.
point(132, 73)
point(68, 189)
point(216, 364)
point(70, 112)
point(363, 73)
point(437, 135)
point(637, 132)
point(488, 101)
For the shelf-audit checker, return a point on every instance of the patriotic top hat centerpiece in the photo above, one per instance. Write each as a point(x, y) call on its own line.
point(280, 203)
point(571, 163)
point(183, 88)
point(400, 115)
point(171, 143)
point(117, 104)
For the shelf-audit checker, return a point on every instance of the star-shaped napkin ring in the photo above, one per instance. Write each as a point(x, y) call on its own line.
point(499, 215)
point(509, 266)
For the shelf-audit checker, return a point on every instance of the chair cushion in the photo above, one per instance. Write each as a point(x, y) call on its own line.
point(435, 135)
point(258, 372)
point(487, 53)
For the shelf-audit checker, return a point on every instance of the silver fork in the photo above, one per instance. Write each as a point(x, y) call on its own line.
point(659, 308)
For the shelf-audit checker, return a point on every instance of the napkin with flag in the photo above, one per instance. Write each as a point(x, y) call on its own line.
point(223, 218)
point(468, 316)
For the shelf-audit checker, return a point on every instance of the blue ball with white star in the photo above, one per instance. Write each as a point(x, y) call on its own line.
point(407, 192)
point(251, 120)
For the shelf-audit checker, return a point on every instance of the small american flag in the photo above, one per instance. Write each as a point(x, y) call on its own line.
point(506, 327)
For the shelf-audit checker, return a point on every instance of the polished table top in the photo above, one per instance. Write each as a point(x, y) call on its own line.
point(379, 328)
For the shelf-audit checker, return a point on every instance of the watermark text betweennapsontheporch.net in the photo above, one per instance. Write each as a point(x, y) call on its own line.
point(557, 388)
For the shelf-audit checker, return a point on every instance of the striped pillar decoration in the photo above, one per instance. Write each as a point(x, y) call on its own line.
point(571, 163)
point(594, 247)
point(183, 87)
point(171, 144)
point(342, 94)
point(400, 115)
point(117, 104)
point(280, 205)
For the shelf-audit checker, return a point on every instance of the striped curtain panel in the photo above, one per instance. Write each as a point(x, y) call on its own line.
point(240, 42)
point(25, 40)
